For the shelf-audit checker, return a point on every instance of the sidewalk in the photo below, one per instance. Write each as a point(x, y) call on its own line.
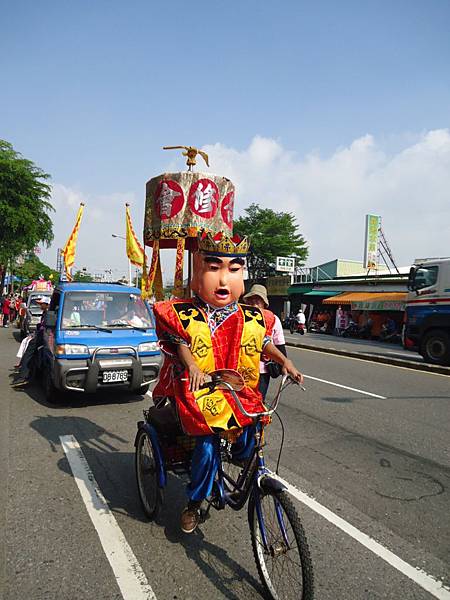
point(382, 352)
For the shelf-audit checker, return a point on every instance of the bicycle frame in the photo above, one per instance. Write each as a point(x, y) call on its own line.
point(254, 477)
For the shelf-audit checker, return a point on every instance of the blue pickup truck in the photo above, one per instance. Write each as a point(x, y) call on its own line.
point(98, 336)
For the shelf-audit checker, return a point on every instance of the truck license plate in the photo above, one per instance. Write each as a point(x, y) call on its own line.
point(114, 376)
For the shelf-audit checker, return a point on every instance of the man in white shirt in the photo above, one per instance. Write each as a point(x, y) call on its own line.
point(301, 320)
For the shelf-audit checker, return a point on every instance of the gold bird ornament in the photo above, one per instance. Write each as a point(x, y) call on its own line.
point(191, 154)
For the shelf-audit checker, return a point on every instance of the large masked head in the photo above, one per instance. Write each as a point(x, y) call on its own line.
point(218, 269)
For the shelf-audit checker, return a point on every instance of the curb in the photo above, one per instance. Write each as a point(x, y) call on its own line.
point(398, 362)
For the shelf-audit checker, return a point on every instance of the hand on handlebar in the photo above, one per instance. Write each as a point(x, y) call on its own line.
point(196, 378)
point(290, 369)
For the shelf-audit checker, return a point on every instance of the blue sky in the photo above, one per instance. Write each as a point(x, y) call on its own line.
point(91, 91)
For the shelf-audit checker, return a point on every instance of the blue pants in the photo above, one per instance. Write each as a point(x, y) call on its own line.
point(205, 461)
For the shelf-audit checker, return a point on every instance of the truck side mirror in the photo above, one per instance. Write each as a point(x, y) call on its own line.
point(51, 318)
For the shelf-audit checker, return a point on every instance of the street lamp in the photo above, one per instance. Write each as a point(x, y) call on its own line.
point(130, 282)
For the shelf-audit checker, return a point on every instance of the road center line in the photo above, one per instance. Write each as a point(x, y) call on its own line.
point(423, 579)
point(128, 573)
point(345, 387)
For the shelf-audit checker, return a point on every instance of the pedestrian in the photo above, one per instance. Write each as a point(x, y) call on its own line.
point(6, 311)
point(12, 309)
point(33, 345)
point(18, 304)
point(22, 348)
point(341, 321)
point(257, 296)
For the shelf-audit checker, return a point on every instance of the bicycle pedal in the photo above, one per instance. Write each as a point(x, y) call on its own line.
point(204, 515)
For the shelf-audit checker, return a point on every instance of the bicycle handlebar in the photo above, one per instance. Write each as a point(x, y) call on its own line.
point(285, 381)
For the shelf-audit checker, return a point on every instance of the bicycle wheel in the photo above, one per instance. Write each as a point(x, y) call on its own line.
point(150, 493)
point(284, 565)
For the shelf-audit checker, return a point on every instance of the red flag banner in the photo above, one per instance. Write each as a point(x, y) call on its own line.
point(148, 279)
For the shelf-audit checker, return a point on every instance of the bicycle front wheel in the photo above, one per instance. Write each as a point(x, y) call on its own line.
point(150, 493)
point(280, 547)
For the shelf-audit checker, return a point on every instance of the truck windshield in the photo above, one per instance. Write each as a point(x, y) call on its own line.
point(424, 277)
point(100, 309)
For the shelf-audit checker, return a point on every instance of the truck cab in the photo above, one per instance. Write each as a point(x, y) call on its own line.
point(99, 336)
point(427, 325)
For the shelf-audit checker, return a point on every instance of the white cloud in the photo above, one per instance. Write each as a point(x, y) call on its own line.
point(103, 215)
point(330, 196)
point(409, 188)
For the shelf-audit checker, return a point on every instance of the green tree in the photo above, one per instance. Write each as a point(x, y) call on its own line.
point(272, 234)
point(83, 276)
point(24, 206)
point(32, 268)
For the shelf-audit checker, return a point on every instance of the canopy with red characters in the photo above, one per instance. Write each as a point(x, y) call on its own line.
point(179, 206)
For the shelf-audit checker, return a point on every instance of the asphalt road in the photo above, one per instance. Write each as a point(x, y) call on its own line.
point(377, 457)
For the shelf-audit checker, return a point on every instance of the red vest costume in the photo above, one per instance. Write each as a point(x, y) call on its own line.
point(234, 341)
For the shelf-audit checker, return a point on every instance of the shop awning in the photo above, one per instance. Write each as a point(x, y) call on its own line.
point(348, 298)
point(370, 300)
point(321, 293)
point(299, 289)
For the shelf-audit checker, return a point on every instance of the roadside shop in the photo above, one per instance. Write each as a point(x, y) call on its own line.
point(379, 307)
point(333, 303)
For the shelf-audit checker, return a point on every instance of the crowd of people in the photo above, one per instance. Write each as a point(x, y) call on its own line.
point(12, 312)
point(361, 324)
point(10, 306)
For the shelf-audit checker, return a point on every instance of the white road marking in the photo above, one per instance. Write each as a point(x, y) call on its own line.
point(345, 387)
point(423, 579)
point(129, 575)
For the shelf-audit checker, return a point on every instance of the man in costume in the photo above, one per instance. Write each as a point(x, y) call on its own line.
point(208, 332)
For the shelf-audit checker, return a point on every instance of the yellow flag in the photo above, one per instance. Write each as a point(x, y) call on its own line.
point(69, 249)
point(135, 251)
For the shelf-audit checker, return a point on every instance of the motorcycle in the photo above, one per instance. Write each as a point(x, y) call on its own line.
point(352, 330)
point(296, 327)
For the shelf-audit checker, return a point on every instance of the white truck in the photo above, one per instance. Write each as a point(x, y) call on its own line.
point(427, 320)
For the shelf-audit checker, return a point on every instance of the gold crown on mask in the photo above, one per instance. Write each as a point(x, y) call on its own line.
point(221, 244)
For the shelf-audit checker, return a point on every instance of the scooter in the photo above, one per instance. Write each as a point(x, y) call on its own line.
point(352, 330)
point(296, 327)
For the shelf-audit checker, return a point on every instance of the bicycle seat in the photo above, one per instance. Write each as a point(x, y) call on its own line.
point(165, 420)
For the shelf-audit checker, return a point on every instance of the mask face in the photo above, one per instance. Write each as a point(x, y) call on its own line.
point(217, 280)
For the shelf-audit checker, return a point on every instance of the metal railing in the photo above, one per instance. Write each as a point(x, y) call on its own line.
point(310, 275)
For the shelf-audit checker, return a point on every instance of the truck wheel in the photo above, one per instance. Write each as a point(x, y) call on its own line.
point(52, 394)
point(435, 347)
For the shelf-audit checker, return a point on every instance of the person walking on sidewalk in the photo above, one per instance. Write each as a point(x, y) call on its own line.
point(6, 310)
